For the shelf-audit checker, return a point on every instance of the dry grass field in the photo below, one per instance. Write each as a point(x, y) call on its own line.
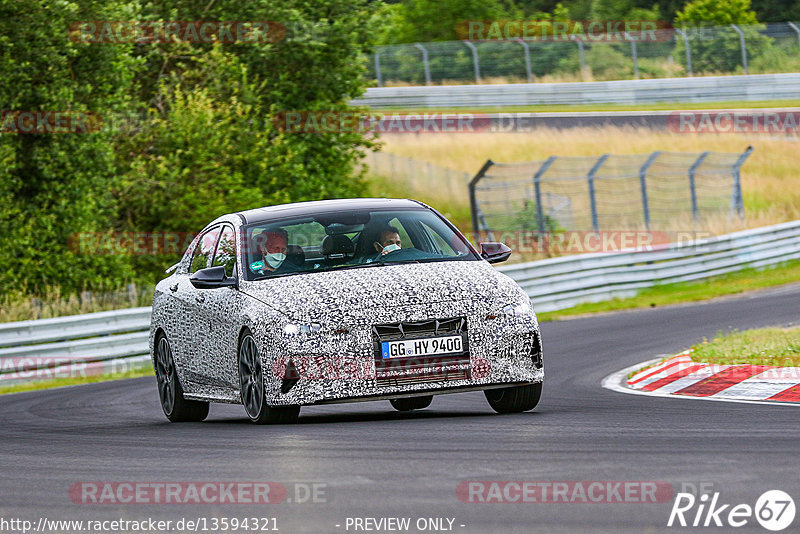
point(770, 177)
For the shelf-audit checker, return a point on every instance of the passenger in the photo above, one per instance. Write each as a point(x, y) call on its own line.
point(273, 251)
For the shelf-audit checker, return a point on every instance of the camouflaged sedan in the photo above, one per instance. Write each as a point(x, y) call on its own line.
point(340, 301)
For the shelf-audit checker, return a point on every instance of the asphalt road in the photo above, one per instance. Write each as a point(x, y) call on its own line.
point(374, 462)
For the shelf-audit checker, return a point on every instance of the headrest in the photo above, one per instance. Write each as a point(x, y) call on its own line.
point(337, 244)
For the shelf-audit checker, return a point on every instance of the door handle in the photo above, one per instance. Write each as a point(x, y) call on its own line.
point(173, 288)
point(200, 298)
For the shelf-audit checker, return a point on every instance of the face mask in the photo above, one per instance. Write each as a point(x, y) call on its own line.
point(274, 260)
point(390, 248)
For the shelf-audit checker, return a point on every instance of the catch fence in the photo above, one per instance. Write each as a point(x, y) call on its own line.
point(606, 192)
point(672, 52)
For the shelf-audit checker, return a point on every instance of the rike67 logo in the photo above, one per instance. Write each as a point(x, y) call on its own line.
point(774, 510)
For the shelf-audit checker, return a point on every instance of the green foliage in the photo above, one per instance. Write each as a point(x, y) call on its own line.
point(437, 20)
point(56, 185)
point(716, 13)
point(719, 49)
point(202, 141)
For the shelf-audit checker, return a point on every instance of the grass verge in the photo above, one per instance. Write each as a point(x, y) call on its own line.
point(666, 294)
point(52, 302)
point(60, 382)
point(764, 346)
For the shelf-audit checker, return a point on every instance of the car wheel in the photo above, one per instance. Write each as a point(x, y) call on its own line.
point(412, 403)
point(176, 408)
point(251, 382)
point(514, 399)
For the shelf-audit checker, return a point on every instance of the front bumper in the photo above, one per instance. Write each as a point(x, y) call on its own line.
point(503, 351)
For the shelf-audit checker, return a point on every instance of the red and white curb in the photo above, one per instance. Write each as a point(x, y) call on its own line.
point(679, 376)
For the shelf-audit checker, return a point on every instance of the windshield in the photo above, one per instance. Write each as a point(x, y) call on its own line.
point(350, 240)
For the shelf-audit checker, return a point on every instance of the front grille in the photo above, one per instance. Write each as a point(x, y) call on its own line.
point(420, 370)
point(410, 330)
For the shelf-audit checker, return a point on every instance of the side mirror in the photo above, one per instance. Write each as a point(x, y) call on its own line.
point(495, 252)
point(211, 278)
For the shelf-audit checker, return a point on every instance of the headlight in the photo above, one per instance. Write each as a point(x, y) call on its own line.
point(523, 308)
point(301, 328)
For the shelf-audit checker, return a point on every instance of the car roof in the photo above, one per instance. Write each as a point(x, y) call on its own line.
point(300, 209)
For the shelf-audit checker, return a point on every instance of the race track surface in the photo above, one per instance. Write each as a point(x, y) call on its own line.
point(375, 462)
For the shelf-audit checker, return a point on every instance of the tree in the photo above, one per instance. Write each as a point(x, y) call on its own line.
point(438, 20)
point(55, 186)
point(715, 45)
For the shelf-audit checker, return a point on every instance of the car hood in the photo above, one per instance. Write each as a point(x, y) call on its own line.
point(362, 296)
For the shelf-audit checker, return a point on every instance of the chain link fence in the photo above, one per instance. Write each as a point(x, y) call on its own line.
point(762, 48)
point(419, 177)
point(606, 192)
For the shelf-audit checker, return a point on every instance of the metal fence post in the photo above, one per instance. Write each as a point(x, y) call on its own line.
point(581, 55)
point(590, 179)
point(692, 186)
point(634, 56)
point(473, 200)
point(475, 63)
point(737, 202)
point(425, 65)
point(643, 187)
point(378, 69)
point(688, 49)
point(743, 45)
point(797, 31)
point(537, 187)
point(527, 49)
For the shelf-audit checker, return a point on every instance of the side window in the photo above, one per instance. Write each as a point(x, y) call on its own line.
point(439, 242)
point(404, 237)
point(204, 251)
point(226, 251)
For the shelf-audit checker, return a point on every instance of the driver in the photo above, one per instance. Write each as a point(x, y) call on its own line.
point(273, 251)
point(388, 241)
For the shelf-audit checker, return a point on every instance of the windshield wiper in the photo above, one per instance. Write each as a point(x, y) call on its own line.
point(331, 269)
point(397, 262)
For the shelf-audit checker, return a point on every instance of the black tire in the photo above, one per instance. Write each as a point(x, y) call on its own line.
point(251, 387)
point(411, 403)
point(514, 399)
point(170, 393)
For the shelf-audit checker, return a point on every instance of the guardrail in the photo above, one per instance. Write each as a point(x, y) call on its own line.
point(559, 283)
point(97, 341)
point(80, 345)
point(752, 87)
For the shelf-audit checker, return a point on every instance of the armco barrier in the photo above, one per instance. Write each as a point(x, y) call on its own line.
point(559, 283)
point(752, 87)
point(95, 342)
point(553, 284)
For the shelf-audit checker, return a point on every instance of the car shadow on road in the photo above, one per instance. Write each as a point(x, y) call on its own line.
point(362, 417)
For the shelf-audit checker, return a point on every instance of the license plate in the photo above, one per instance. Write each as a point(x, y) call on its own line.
point(429, 346)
